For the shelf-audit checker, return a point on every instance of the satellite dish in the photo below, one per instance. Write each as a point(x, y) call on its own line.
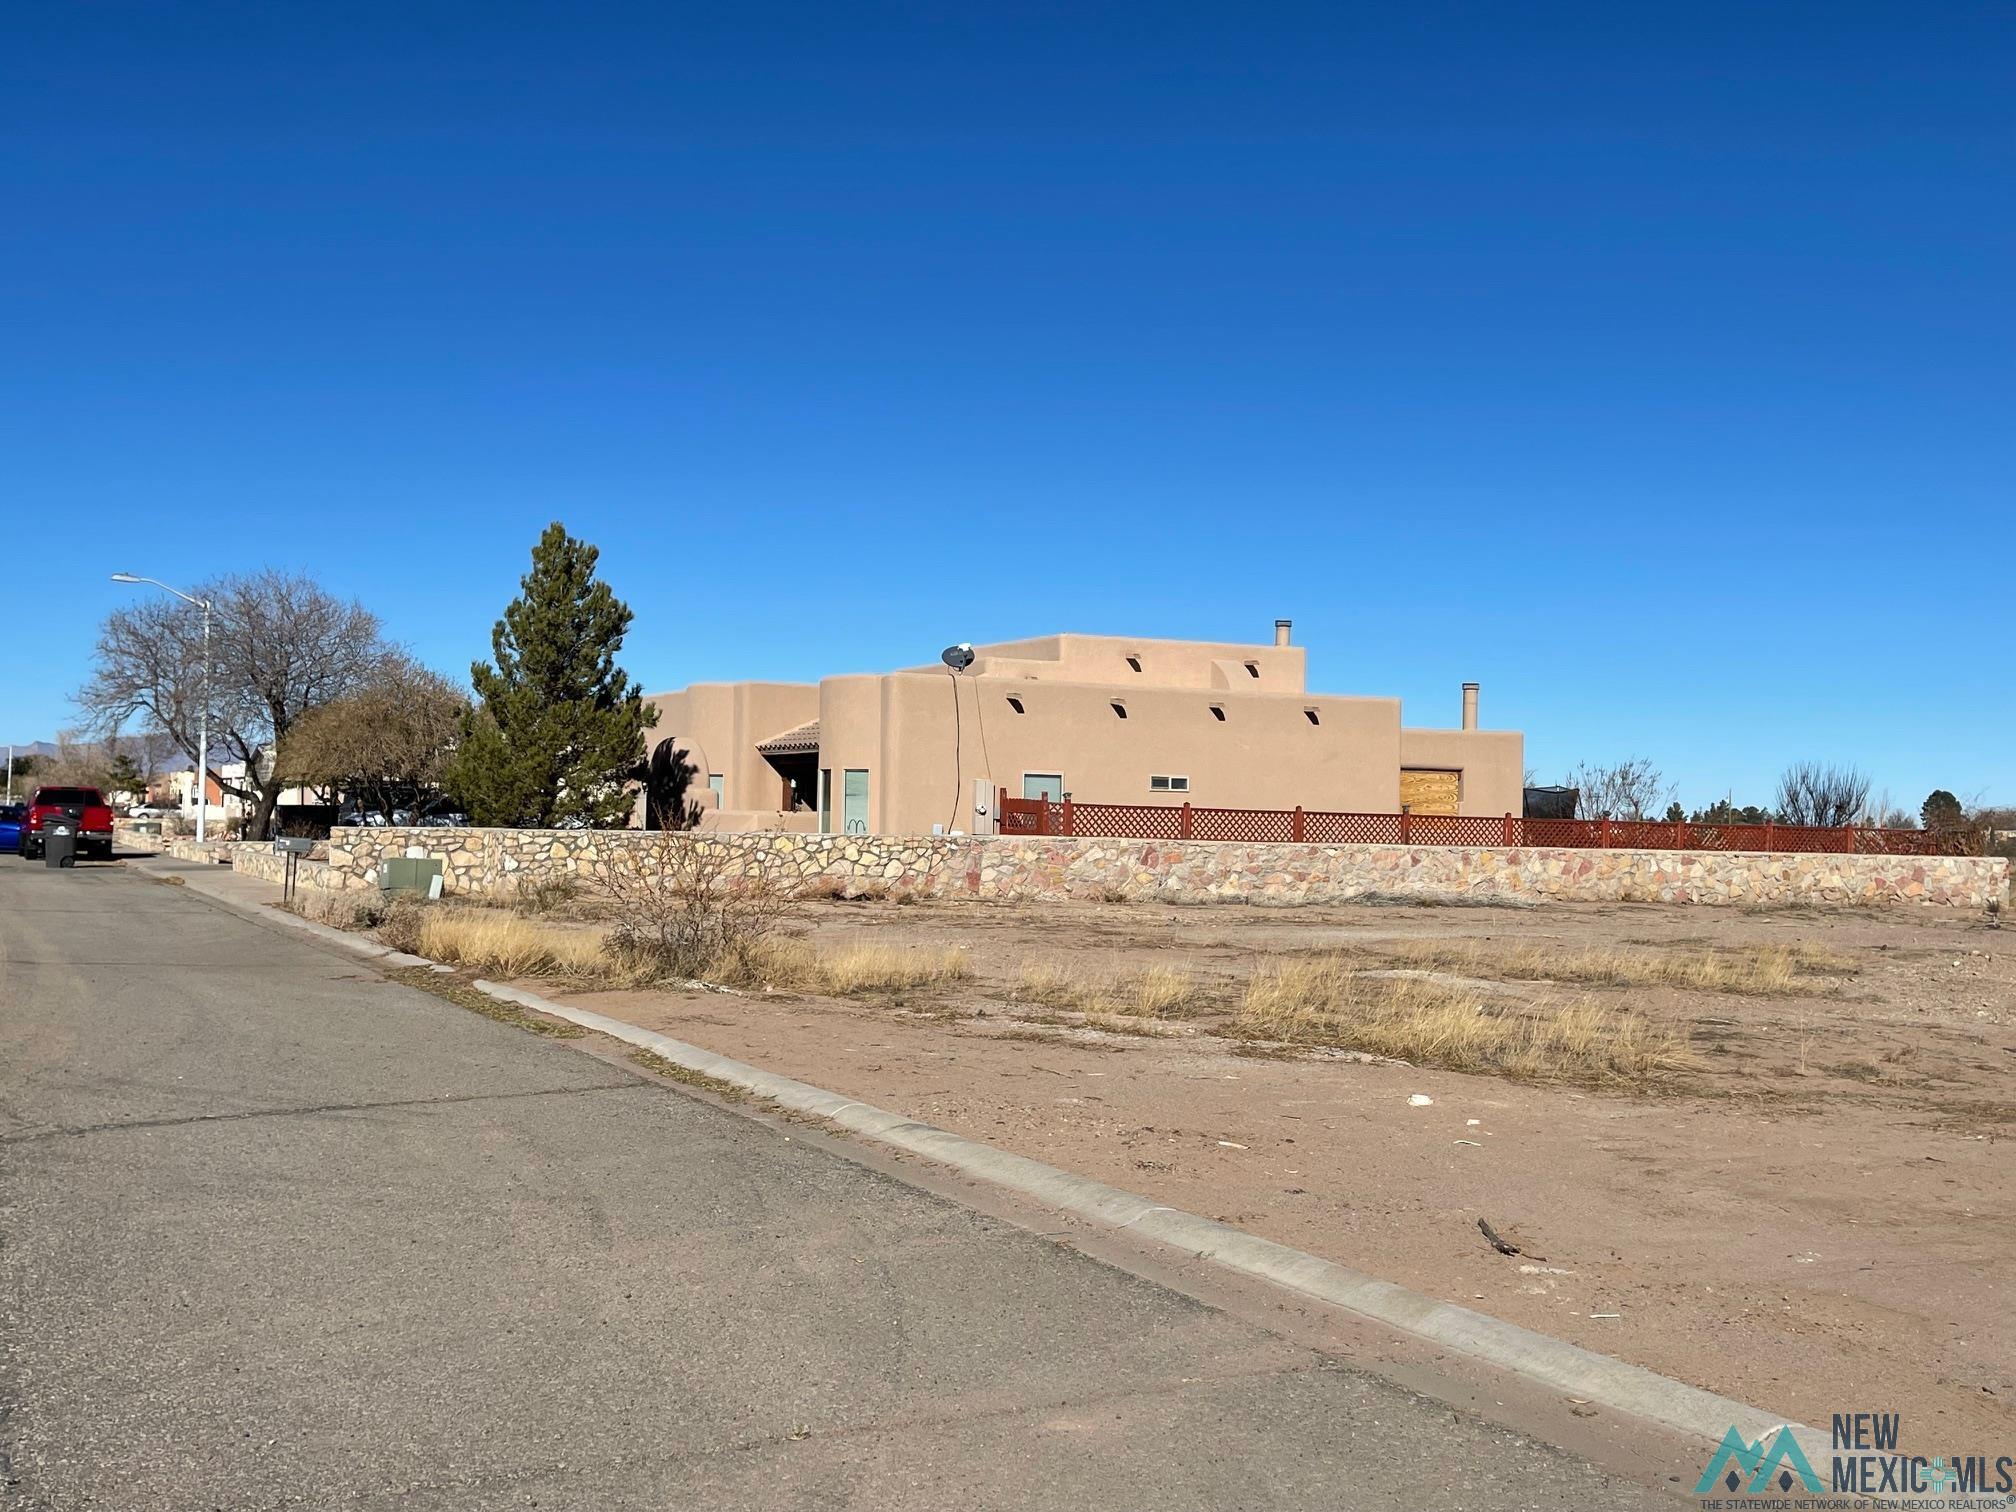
point(958, 657)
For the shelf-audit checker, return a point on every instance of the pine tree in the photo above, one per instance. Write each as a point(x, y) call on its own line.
point(1941, 810)
point(558, 730)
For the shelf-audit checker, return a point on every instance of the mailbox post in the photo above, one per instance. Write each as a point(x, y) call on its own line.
point(293, 850)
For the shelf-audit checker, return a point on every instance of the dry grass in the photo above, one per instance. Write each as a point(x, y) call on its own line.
point(1160, 992)
point(1322, 1000)
point(858, 970)
point(866, 969)
point(501, 942)
point(505, 945)
point(463, 995)
point(1753, 970)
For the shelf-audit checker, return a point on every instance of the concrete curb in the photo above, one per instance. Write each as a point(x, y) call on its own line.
point(1554, 1362)
point(342, 939)
point(1568, 1368)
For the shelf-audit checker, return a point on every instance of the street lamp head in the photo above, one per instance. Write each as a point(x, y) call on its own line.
point(124, 577)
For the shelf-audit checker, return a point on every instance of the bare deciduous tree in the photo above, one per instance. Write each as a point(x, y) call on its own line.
point(281, 645)
point(1629, 789)
point(1826, 795)
point(386, 744)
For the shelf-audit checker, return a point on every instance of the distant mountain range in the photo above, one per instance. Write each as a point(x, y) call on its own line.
point(174, 761)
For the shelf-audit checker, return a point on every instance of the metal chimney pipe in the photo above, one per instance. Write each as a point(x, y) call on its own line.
point(1281, 629)
point(1469, 706)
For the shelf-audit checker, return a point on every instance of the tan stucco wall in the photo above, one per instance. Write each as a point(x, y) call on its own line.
point(718, 726)
point(1265, 754)
point(1493, 764)
point(1102, 660)
point(899, 727)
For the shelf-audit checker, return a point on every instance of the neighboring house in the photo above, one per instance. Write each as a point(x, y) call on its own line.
point(178, 788)
point(1106, 719)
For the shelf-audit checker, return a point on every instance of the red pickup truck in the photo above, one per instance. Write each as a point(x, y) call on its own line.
point(84, 804)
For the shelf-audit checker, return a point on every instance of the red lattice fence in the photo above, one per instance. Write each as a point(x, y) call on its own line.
point(1147, 821)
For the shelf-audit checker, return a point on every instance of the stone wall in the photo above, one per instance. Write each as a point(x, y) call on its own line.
point(262, 861)
point(477, 861)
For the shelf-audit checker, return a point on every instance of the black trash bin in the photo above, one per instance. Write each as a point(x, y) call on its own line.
point(59, 838)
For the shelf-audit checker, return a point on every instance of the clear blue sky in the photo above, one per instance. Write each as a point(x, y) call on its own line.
point(1652, 365)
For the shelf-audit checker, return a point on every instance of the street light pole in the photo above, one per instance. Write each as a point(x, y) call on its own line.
point(202, 714)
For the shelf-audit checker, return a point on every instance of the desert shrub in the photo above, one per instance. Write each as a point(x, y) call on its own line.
point(537, 896)
point(694, 908)
point(399, 922)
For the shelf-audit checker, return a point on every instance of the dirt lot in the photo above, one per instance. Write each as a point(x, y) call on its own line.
point(1814, 1214)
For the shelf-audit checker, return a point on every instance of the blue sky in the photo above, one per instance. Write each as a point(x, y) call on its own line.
point(1651, 365)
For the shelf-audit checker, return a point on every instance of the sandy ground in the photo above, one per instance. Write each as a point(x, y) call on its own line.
point(1817, 1219)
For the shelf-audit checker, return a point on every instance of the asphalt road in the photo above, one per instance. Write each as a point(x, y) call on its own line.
point(276, 1232)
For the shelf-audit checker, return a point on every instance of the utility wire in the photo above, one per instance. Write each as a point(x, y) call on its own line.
point(958, 742)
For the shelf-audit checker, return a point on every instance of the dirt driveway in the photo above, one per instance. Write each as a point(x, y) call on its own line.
point(1814, 1216)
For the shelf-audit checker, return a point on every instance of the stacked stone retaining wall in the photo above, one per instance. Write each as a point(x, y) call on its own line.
point(495, 861)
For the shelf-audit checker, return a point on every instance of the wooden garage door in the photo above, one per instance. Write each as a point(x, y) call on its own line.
point(1425, 792)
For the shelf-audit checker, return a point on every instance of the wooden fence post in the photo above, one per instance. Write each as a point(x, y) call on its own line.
point(1770, 834)
point(1511, 831)
point(1605, 833)
point(1183, 822)
point(1406, 829)
point(1070, 828)
point(1295, 825)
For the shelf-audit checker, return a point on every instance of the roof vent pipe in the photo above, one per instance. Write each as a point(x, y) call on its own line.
point(1469, 706)
point(1281, 629)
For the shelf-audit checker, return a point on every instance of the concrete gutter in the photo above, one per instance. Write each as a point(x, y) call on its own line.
point(1568, 1368)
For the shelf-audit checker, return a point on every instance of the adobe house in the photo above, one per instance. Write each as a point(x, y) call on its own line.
point(1104, 718)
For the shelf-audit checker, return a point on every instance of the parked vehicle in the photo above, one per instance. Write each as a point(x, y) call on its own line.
point(11, 815)
point(86, 804)
point(148, 811)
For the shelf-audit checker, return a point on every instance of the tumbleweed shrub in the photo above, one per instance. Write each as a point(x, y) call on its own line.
point(1325, 1001)
point(1752, 970)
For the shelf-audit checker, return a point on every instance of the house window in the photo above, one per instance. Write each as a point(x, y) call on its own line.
point(1252, 669)
point(715, 785)
point(1310, 715)
point(1016, 705)
point(1168, 784)
point(1218, 712)
point(1119, 709)
point(1134, 662)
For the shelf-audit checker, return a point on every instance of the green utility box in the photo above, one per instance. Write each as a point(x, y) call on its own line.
point(412, 876)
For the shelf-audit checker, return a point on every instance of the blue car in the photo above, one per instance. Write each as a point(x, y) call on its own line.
point(11, 815)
